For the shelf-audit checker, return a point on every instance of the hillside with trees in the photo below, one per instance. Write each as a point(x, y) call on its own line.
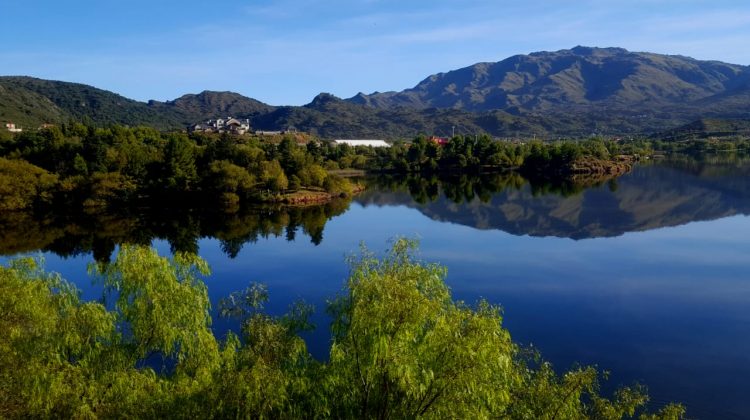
point(575, 92)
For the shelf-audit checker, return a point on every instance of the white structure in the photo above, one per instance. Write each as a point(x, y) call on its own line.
point(370, 143)
point(220, 125)
point(12, 128)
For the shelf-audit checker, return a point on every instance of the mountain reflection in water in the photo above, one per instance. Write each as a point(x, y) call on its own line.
point(666, 307)
point(650, 197)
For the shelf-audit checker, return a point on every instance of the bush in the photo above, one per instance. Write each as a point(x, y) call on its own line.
point(22, 185)
point(401, 348)
point(338, 186)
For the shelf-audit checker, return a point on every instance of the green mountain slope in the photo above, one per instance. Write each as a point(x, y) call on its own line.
point(208, 104)
point(576, 92)
point(573, 79)
point(78, 101)
point(26, 108)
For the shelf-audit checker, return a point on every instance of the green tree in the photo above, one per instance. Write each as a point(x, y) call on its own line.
point(22, 185)
point(179, 169)
point(229, 182)
point(401, 348)
point(273, 176)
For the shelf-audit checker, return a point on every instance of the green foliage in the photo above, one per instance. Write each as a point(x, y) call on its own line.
point(401, 348)
point(108, 187)
point(179, 171)
point(229, 179)
point(121, 167)
point(23, 185)
point(338, 186)
point(273, 176)
point(164, 303)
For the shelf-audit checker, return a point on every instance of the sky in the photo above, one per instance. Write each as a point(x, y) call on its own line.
point(284, 52)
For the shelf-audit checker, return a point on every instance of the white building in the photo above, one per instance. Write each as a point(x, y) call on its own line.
point(370, 143)
point(12, 128)
point(220, 125)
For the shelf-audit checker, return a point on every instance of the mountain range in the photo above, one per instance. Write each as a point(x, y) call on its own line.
point(573, 92)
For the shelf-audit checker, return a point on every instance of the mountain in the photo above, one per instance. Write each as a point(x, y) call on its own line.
point(575, 92)
point(208, 104)
point(575, 79)
point(26, 107)
point(30, 102)
point(46, 101)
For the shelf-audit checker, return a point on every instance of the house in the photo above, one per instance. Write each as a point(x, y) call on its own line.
point(221, 125)
point(440, 141)
point(369, 143)
point(233, 125)
point(12, 128)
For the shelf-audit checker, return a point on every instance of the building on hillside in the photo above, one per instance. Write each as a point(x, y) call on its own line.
point(441, 141)
point(221, 125)
point(369, 143)
point(12, 128)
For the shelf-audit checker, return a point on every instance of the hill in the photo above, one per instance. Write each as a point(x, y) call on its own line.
point(577, 78)
point(208, 104)
point(30, 102)
point(575, 92)
point(705, 128)
point(47, 101)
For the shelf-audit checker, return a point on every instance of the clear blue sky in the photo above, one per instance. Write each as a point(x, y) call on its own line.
point(287, 51)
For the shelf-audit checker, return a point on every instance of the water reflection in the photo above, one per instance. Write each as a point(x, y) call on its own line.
point(652, 196)
point(75, 234)
point(666, 307)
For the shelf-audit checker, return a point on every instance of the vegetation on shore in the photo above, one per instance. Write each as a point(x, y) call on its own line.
point(75, 165)
point(401, 347)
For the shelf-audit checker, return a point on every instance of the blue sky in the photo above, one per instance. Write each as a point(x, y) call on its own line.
point(287, 51)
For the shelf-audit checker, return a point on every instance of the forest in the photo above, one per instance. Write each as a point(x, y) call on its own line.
point(401, 347)
point(77, 165)
point(83, 166)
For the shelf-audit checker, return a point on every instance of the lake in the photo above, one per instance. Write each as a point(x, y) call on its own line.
point(647, 276)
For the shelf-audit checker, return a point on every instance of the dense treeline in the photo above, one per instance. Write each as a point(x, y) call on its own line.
point(78, 164)
point(400, 348)
point(482, 153)
point(474, 154)
point(734, 144)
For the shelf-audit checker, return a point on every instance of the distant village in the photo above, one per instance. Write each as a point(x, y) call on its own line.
point(233, 125)
point(222, 125)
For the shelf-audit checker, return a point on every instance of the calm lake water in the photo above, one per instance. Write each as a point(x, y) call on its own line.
point(647, 277)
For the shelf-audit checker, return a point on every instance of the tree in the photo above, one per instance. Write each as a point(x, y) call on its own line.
point(179, 170)
point(229, 182)
point(273, 176)
point(22, 185)
point(401, 348)
point(415, 353)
